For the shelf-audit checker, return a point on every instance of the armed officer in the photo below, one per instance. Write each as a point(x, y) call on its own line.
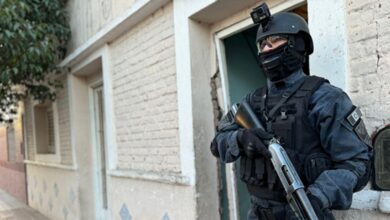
point(317, 124)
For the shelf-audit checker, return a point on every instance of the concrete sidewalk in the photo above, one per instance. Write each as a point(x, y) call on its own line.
point(12, 209)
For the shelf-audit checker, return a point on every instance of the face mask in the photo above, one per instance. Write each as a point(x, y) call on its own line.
point(281, 62)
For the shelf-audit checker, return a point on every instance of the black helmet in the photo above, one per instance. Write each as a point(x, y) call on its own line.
point(289, 24)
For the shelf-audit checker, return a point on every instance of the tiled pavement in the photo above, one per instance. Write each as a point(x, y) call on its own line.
point(12, 209)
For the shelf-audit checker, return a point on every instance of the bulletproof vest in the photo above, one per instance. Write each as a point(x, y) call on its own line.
point(286, 116)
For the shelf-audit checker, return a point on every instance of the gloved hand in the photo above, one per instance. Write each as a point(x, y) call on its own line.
point(321, 212)
point(251, 141)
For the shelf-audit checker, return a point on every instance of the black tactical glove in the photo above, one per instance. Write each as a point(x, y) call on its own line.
point(251, 141)
point(322, 213)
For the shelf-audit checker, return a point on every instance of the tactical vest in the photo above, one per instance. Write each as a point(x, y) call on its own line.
point(287, 117)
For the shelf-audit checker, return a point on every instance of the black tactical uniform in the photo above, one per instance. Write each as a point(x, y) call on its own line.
point(317, 124)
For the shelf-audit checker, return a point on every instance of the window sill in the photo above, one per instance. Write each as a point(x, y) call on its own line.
point(384, 202)
point(48, 158)
point(169, 178)
point(366, 199)
point(370, 200)
point(51, 165)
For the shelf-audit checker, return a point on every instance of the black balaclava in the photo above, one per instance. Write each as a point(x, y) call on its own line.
point(281, 62)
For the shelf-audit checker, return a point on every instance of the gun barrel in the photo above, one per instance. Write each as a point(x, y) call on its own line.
point(291, 182)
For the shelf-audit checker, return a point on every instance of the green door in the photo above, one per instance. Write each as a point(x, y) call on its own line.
point(244, 75)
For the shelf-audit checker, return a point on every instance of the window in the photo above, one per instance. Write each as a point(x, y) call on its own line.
point(44, 126)
point(382, 162)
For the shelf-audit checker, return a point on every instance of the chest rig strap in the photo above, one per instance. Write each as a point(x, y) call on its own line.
point(268, 116)
point(308, 85)
point(312, 83)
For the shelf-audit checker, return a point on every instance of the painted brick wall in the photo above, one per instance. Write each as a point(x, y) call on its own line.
point(369, 52)
point(29, 129)
point(64, 123)
point(145, 95)
point(18, 134)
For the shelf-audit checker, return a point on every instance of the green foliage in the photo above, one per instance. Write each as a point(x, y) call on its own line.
point(33, 38)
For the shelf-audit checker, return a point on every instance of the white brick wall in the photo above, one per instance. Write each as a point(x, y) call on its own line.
point(18, 129)
point(145, 95)
point(64, 123)
point(369, 49)
point(29, 129)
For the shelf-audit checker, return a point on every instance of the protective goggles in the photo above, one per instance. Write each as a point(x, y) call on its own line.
point(270, 41)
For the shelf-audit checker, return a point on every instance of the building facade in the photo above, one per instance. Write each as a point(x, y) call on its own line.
point(12, 155)
point(128, 135)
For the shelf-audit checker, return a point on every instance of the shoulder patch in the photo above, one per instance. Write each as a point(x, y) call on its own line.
point(354, 116)
point(354, 119)
point(361, 131)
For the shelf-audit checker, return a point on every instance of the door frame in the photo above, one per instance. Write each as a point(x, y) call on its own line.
point(220, 52)
point(101, 213)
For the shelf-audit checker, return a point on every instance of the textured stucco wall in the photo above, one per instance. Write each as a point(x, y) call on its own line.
point(140, 199)
point(53, 192)
point(327, 27)
point(89, 16)
point(145, 95)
